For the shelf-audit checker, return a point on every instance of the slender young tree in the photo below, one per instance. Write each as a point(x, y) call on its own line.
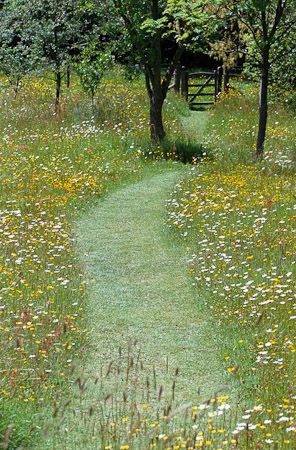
point(58, 29)
point(56, 32)
point(267, 22)
point(17, 55)
point(146, 25)
point(90, 65)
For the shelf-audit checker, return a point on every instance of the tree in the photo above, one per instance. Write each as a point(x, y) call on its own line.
point(283, 72)
point(15, 64)
point(91, 64)
point(267, 22)
point(17, 56)
point(146, 25)
point(58, 29)
point(49, 34)
point(47, 29)
point(225, 40)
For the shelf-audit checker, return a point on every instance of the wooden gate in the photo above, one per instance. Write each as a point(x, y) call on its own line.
point(201, 88)
point(198, 88)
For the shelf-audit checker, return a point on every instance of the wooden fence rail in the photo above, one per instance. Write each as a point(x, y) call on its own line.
point(201, 88)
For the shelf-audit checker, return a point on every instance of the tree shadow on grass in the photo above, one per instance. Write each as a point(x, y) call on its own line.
point(185, 151)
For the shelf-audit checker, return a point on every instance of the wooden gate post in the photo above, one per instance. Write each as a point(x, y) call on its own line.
point(184, 83)
point(177, 76)
point(226, 80)
point(219, 77)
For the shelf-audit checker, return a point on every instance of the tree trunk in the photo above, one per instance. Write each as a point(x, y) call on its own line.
point(226, 80)
point(68, 77)
point(219, 80)
point(184, 83)
point(177, 77)
point(156, 122)
point(58, 92)
point(16, 89)
point(263, 105)
point(155, 83)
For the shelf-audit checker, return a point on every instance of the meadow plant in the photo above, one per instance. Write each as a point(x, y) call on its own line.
point(237, 216)
point(51, 168)
point(126, 406)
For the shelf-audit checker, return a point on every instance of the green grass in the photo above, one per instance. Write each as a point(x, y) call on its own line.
point(140, 291)
point(140, 285)
point(16, 425)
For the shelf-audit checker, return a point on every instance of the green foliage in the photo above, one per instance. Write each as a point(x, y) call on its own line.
point(57, 30)
point(265, 20)
point(283, 72)
point(283, 57)
point(47, 35)
point(91, 65)
point(17, 52)
point(179, 21)
point(15, 63)
point(17, 428)
point(265, 25)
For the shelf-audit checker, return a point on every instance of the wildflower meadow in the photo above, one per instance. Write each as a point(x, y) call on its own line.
point(238, 218)
point(49, 171)
point(234, 215)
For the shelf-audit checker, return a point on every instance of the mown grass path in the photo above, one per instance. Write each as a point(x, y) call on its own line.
point(141, 288)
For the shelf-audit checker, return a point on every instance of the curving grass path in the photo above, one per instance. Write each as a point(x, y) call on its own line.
point(141, 288)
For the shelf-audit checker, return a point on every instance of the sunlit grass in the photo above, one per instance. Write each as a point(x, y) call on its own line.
point(235, 216)
point(238, 218)
point(50, 168)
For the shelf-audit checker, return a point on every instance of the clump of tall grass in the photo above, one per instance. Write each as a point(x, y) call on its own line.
point(126, 405)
